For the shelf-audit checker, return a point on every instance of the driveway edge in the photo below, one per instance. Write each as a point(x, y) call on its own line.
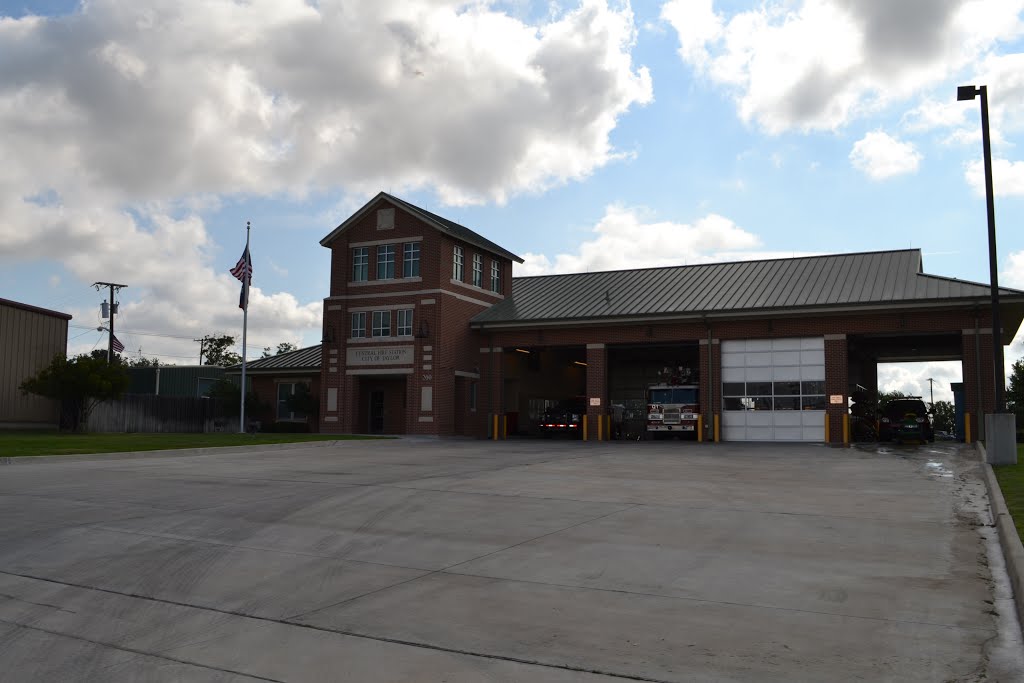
point(1013, 549)
point(208, 450)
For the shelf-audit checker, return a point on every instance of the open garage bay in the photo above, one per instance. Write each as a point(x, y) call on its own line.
point(422, 560)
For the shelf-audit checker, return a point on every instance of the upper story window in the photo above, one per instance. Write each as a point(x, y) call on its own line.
point(404, 323)
point(382, 323)
point(358, 324)
point(478, 270)
point(411, 260)
point(386, 262)
point(457, 263)
point(496, 277)
point(360, 264)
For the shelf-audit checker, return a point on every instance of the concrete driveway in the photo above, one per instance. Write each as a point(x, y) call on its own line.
point(417, 560)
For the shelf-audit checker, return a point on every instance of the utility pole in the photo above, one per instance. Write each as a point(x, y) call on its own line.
point(202, 345)
point(931, 389)
point(113, 287)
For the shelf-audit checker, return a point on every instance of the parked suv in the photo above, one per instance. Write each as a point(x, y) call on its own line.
point(563, 418)
point(905, 419)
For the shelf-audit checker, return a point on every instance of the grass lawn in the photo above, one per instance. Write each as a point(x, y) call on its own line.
point(1011, 482)
point(21, 443)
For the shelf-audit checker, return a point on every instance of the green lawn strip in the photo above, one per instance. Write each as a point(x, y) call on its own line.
point(24, 443)
point(1011, 482)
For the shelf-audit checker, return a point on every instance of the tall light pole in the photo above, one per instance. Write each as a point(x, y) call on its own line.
point(966, 93)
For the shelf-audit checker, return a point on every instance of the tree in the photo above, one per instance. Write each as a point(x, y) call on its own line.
point(230, 394)
point(943, 416)
point(884, 397)
point(283, 347)
point(141, 362)
point(217, 351)
point(80, 384)
point(1015, 390)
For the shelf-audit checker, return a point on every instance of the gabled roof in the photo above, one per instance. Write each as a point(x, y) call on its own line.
point(459, 232)
point(873, 279)
point(300, 360)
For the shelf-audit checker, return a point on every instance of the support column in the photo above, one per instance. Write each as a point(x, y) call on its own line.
point(491, 397)
point(597, 388)
point(710, 385)
point(836, 384)
point(979, 378)
point(334, 399)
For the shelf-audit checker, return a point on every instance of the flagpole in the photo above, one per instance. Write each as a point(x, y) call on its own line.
point(245, 323)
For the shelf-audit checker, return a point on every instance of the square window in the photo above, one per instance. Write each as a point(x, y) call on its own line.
point(787, 388)
point(813, 403)
point(382, 323)
point(404, 323)
point(287, 393)
point(478, 270)
point(386, 262)
point(733, 389)
point(759, 389)
point(360, 264)
point(816, 387)
point(359, 325)
point(457, 263)
point(787, 403)
point(411, 260)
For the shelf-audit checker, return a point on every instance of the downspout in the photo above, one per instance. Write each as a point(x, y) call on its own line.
point(977, 377)
point(709, 415)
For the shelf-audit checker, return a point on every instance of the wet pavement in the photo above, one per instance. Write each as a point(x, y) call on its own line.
point(423, 560)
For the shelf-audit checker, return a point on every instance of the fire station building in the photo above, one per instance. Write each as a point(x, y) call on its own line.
point(426, 332)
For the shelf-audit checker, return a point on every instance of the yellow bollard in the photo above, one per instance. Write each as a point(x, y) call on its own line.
point(494, 428)
point(700, 428)
point(846, 429)
point(600, 427)
point(504, 431)
point(827, 439)
point(584, 427)
point(967, 428)
point(718, 433)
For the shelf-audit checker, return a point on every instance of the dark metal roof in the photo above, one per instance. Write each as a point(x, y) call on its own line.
point(292, 361)
point(459, 232)
point(877, 278)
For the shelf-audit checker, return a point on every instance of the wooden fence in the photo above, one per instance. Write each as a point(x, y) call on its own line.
point(146, 413)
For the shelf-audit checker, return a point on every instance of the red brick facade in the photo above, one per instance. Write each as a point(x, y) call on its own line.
point(429, 379)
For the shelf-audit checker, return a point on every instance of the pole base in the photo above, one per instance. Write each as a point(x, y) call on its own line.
point(1001, 439)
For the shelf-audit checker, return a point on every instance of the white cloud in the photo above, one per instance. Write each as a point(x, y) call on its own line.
point(624, 239)
point(124, 122)
point(1007, 177)
point(880, 156)
point(912, 378)
point(816, 64)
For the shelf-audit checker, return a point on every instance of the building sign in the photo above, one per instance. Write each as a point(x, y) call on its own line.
point(379, 355)
point(595, 401)
point(835, 399)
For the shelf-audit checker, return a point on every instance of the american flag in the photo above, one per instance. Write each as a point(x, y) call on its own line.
point(243, 268)
point(117, 345)
point(243, 271)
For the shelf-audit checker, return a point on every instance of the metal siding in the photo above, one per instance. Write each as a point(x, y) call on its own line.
point(30, 340)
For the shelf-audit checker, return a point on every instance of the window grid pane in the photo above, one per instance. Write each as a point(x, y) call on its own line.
point(358, 325)
point(478, 270)
point(360, 264)
point(382, 323)
point(495, 277)
point(457, 264)
point(404, 324)
point(789, 395)
point(411, 260)
point(386, 262)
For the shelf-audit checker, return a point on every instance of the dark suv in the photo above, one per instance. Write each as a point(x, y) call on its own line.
point(563, 418)
point(905, 419)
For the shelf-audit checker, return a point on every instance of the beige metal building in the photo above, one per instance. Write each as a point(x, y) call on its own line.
point(29, 339)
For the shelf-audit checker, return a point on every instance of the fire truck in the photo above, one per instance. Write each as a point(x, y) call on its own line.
point(673, 405)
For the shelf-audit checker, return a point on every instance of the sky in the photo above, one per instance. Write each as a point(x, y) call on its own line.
point(139, 137)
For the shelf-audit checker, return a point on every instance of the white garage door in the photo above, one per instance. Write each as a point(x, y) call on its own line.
point(773, 390)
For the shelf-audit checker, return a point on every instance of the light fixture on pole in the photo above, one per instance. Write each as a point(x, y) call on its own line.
point(995, 442)
point(966, 93)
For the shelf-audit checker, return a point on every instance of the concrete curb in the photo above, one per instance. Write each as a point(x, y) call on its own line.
point(210, 450)
point(1013, 549)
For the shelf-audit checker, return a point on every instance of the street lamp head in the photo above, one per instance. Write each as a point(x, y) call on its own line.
point(966, 93)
